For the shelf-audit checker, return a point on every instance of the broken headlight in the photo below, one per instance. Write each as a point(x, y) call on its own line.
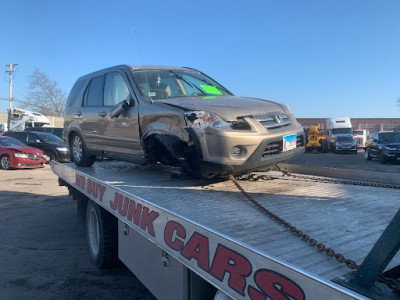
point(203, 119)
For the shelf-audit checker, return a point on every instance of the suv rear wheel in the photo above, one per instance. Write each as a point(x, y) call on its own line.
point(78, 152)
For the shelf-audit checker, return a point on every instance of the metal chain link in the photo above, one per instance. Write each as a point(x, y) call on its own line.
point(313, 242)
point(391, 283)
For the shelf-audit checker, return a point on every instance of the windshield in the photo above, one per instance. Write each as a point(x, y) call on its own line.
point(389, 137)
point(49, 138)
point(163, 83)
point(10, 142)
point(342, 131)
point(345, 139)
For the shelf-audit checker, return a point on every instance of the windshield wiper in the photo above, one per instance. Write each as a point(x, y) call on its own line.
point(187, 82)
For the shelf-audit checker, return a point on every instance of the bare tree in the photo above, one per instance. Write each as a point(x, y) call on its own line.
point(45, 96)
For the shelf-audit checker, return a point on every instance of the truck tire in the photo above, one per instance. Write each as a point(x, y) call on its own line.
point(324, 146)
point(102, 236)
point(366, 155)
point(78, 152)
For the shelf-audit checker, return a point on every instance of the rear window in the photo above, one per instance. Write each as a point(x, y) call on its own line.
point(94, 93)
point(76, 89)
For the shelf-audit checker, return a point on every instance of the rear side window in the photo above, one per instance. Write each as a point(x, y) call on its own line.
point(21, 136)
point(94, 92)
point(32, 138)
point(73, 95)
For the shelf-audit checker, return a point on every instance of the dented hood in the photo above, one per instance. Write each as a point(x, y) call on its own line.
point(227, 107)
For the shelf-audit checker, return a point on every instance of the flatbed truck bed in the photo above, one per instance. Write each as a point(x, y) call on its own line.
point(210, 229)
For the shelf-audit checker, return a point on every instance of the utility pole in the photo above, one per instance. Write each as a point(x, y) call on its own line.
point(10, 71)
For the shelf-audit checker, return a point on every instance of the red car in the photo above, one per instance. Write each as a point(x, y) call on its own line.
point(16, 155)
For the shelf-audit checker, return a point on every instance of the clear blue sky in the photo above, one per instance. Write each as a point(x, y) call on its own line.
point(322, 58)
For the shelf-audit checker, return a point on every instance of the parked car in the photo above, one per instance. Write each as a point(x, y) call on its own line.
point(16, 155)
point(176, 116)
point(344, 144)
point(53, 147)
point(58, 131)
point(383, 145)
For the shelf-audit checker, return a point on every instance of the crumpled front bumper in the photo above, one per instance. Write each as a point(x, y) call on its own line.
point(259, 149)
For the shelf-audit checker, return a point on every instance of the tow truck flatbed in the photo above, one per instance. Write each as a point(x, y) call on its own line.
point(212, 229)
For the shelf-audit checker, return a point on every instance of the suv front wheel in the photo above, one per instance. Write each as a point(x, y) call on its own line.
point(366, 155)
point(78, 152)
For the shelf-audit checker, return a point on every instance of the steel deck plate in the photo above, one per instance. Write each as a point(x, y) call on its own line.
point(347, 218)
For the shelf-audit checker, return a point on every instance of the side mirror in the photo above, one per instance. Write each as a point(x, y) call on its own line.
point(118, 109)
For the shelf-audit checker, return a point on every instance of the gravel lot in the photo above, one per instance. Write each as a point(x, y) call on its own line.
point(43, 253)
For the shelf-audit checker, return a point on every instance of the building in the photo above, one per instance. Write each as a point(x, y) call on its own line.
point(370, 124)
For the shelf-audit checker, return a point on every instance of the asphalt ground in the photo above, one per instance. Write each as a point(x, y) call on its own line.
point(344, 161)
point(43, 252)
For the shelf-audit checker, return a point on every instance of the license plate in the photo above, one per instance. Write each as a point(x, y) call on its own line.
point(289, 142)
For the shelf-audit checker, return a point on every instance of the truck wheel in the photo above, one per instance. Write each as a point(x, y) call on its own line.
point(324, 146)
point(366, 155)
point(78, 152)
point(102, 236)
point(5, 162)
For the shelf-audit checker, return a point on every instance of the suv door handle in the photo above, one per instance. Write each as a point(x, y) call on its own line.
point(78, 114)
point(102, 114)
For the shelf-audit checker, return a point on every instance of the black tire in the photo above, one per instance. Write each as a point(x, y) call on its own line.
point(324, 146)
point(101, 236)
point(78, 152)
point(366, 155)
point(5, 162)
point(52, 156)
point(382, 159)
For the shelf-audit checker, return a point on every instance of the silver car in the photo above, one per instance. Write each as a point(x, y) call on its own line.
point(176, 116)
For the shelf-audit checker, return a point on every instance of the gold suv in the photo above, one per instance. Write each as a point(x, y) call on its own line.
point(176, 116)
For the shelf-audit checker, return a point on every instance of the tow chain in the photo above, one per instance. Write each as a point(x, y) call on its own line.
point(391, 283)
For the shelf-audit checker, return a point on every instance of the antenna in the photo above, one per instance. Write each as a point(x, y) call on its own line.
point(141, 57)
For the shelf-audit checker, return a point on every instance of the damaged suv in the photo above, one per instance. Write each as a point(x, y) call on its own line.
point(179, 117)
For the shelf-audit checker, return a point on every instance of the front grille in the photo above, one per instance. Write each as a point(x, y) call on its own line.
point(300, 141)
point(273, 120)
point(33, 156)
point(274, 148)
